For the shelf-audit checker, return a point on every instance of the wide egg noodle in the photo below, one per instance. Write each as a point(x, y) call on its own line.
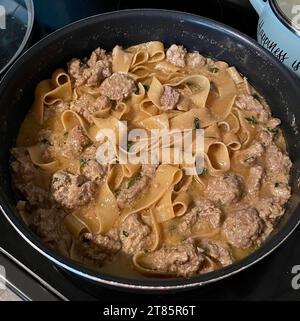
point(36, 156)
point(70, 119)
point(121, 60)
point(164, 178)
point(50, 91)
point(101, 215)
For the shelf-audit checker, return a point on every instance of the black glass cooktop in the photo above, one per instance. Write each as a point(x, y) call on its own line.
point(35, 278)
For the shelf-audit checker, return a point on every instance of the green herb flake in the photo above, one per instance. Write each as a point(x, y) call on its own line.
point(213, 69)
point(226, 177)
point(255, 96)
point(275, 131)
point(276, 184)
point(172, 227)
point(252, 120)
point(197, 123)
point(117, 191)
point(83, 162)
point(126, 234)
point(248, 160)
point(55, 179)
point(147, 251)
point(133, 180)
point(66, 134)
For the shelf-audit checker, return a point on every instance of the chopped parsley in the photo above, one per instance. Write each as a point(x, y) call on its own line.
point(252, 120)
point(226, 177)
point(83, 162)
point(276, 184)
point(45, 142)
point(126, 234)
point(274, 131)
point(213, 69)
point(118, 191)
point(248, 160)
point(172, 227)
point(197, 123)
point(66, 134)
point(147, 251)
point(146, 87)
point(255, 96)
point(133, 180)
point(55, 179)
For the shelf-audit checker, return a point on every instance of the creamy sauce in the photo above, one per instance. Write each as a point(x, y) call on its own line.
point(121, 264)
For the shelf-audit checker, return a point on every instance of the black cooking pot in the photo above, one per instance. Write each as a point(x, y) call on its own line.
point(127, 28)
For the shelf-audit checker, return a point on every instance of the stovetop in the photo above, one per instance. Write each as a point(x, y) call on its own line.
point(33, 277)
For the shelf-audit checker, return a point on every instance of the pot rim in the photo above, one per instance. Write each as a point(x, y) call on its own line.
point(142, 284)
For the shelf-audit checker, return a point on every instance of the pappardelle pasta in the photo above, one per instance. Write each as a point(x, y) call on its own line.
point(150, 219)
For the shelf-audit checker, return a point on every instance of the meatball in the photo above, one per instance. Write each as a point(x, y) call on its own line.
point(134, 234)
point(269, 210)
point(225, 189)
point(98, 248)
point(71, 191)
point(204, 211)
point(87, 105)
point(76, 141)
point(169, 98)
point(248, 102)
point(98, 68)
point(242, 228)
point(48, 224)
point(176, 55)
point(265, 138)
point(218, 251)
point(249, 155)
point(35, 195)
point(195, 60)
point(276, 161)
point(255, 179)
point(118, 86)
point(281, 192)
point(184, 259)
point(90, 167)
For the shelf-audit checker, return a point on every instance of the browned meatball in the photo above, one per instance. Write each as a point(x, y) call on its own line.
point(118, 86)
point(71, 191)
point(225, 189)
point(243, 228)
